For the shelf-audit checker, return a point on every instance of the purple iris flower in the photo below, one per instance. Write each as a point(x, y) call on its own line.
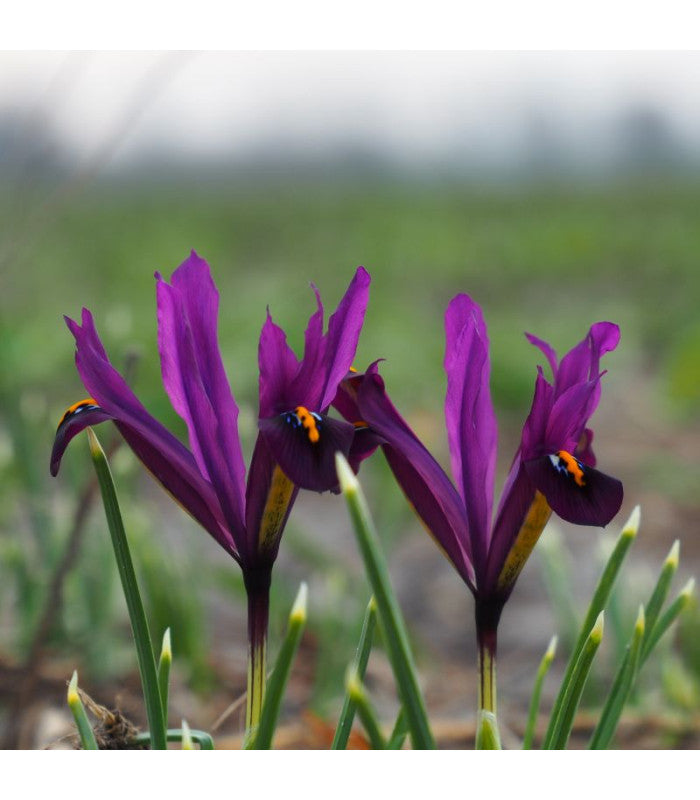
point(553, 468)
point(297, 439)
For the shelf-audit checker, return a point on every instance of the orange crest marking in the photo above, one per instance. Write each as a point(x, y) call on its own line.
point(81, 405)
point(309, 422)
point(571, 465)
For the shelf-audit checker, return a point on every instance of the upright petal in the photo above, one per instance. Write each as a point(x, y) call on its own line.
point(548, 351)
point(470, 418)
point(188, 390)
point(278, 365)
point(582, 362)
point(422, 479)
point(343, 334)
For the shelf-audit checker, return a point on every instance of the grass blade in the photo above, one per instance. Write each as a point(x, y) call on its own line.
point(364, 647)
point(620, 689)
point(87, 735)
point(400, 732)
point(598, 601)
point(139, 625)
point(560, 726)
point(164, 663)
point(187, 741)
point(391, 620)
point(278, 679)
point(668, 618)
point(356, 691)
point(660, 592)
point(542, 671)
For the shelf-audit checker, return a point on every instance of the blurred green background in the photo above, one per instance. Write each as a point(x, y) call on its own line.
point(547, 251)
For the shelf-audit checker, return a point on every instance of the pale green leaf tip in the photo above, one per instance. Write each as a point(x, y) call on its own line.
point(596, 633)
point(167, 650)
point(641, 622)
point(346, 477)
point(95, 446)
point(372, 605)
point(673, 555)
point(551, 649)
point(688, 589)
point(631, 527)
point(187, 743)
point(298, 612)
point(353, 684)
point(73, 696)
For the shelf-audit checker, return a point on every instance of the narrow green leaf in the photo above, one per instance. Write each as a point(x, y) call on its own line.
point(400, 732)
point(356, 691)
point(278, 679)
point(620, 689)
point(202, 738)
point(660, 591)
point(390, 618)
point(598, 601)
point(187, 741)
point(364, 647)
point(164, 663)
point(560, 726)
point(667, 619)
point(87, 736)
point(139, 625)
point(542, 671)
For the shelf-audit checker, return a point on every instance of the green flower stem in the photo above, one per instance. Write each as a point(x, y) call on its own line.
point(139, 625)
point(560, 726)
point(164, 663)
point(667, 619)
point(598, 602)
point(391, 620)
point(487, 614)
point(201, 738)
point(87, 735)
point(542, 671)
point(364, 647)
point(278, 679)
point(257, 583)
point(621, 688)
point(356, 691)
point(400, 732)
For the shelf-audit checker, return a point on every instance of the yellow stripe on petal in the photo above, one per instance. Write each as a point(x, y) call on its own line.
point(537, 517)
point(278, 499)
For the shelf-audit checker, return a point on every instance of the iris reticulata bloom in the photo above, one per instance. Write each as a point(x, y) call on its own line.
point(553, 469)
point(297, 439)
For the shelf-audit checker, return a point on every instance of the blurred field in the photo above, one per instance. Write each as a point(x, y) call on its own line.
point(549, 259)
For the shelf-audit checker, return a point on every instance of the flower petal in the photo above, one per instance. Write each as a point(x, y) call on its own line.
point(160, 452)
point(548, 351)
point(304, 445)
point(278, 365)
point(344, 328)
point(577, 494)
point(582, 362)
point(471, 423)
point(79, 416)
point(424, 482)
point(196, 383)
point(270, 496)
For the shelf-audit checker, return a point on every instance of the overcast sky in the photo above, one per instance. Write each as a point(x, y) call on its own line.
point(413, 105)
